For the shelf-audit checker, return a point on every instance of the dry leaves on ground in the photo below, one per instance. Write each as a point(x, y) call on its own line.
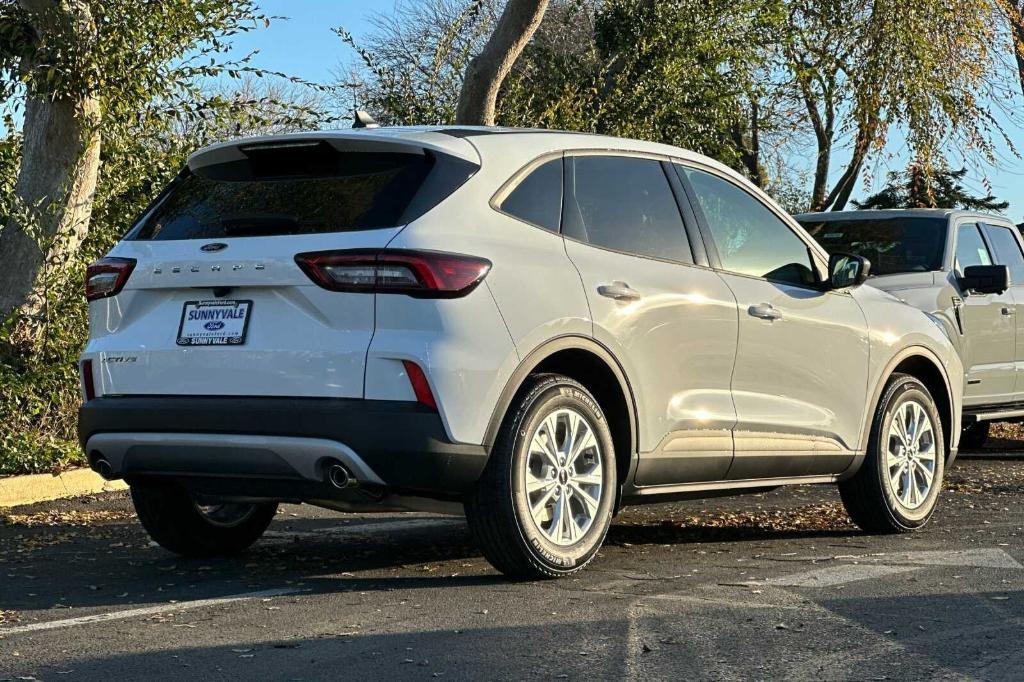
point(65, 518)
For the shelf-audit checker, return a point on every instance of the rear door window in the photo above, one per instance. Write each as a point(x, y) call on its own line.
point(625, 204)
point(970, 248)
point(310, 189)
point(537, 199)
point(1007, 251)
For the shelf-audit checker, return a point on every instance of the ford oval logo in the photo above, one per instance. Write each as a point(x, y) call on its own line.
point(213, 326)
point(216, 246)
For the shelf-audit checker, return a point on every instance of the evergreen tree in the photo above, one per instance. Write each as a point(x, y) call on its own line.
point(916, 188)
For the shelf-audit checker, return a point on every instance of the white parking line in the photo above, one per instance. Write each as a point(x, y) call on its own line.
point(147, 611)
point(981, 558)
point(838, 575)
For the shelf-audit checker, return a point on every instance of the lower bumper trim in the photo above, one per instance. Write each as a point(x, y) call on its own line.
point(402, 446)
point(225, 454)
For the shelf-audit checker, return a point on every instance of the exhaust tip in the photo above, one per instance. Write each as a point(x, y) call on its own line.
point(104, 469)
point(339, 476)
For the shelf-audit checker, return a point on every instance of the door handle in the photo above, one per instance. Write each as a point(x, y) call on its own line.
point(764, 311)
point(620, 291)
point(1007, 312)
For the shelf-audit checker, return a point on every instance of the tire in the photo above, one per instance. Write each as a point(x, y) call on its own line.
point(173, 520)
point(975, 436)
point(875, 502)
point(516, 541)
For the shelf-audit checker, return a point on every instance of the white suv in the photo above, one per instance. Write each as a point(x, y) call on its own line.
point(536, 327)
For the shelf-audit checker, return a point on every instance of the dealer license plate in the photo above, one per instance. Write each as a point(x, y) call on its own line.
point(214, 323)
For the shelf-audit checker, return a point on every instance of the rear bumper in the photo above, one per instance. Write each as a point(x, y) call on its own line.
point(279, 447)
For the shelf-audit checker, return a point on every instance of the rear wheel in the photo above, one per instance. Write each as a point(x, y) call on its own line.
point(898, 484)
point(178, 522)
point(975, 436)
point(544, 504)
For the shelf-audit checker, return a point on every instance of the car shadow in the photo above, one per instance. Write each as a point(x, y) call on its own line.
point(114, 565)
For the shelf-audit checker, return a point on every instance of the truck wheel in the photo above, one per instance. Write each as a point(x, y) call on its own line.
point(544, 503)
point(975, 436)
point(898, 484)
point(175, 521)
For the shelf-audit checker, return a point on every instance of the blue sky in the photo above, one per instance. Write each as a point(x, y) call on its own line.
point(304, 45)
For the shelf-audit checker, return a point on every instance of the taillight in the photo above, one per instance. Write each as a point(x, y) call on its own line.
point(107, 276)
point(419, 384)
point(421, 274)
point(88, 383)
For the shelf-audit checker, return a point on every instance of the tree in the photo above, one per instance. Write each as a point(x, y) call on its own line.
point(682, 73)
point(84, 72)
point(932, 68)
point(1015, 14)
point(412, 64)
point(943, 188)
point(489, 68)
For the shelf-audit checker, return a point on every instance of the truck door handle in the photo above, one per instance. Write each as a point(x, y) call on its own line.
point(765, 311)
point(620, 291)
point(1007, 312)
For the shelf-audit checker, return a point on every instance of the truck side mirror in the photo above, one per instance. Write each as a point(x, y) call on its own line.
point(985, 279)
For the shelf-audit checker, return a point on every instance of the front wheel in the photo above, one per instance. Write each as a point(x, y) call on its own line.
point(544, 503)
point(898, 484)
point(178, 522)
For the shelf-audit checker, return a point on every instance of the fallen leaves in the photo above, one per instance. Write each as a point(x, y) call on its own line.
point(65, 518)
point(709, 525)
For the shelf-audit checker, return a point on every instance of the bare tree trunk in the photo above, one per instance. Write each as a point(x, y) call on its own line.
point(1018, 40)
point(840, 194)
point(487, 71)
point(750, 155)
point(58, 173)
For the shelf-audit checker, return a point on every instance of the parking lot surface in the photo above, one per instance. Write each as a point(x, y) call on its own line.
point(777, 586)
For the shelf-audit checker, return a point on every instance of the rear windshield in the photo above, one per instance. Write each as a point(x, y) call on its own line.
point(289, 191)
point(894, 245)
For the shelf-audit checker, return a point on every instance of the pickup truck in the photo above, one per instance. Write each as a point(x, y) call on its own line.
point(964, 268)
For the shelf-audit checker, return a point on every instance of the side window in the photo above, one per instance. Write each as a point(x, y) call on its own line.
point(626, 204)
point(537, 198)
point(1007, 251)
point(970, 248)
point(751, 238)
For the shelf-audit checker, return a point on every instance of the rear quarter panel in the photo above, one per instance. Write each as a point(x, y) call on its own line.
point(472, 346)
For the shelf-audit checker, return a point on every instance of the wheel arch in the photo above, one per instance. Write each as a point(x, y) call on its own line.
point(922, 364)
point(594, 366)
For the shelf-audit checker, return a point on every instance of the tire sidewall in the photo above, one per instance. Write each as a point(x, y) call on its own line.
point(901, 393)
point(558, 558)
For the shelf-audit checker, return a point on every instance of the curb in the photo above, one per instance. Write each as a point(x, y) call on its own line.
point(18, 490)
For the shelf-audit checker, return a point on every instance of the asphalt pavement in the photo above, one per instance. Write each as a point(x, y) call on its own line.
point(771, 586)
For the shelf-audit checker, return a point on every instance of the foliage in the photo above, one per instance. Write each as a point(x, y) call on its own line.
point(936, 71)
point(414, 61)
point(943, 188)
point(680, 72)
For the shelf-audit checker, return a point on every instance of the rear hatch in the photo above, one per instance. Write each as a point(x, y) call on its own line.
point(216, 304)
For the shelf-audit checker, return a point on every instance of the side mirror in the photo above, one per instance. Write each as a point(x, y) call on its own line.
point(985, 279)
point(846, 270)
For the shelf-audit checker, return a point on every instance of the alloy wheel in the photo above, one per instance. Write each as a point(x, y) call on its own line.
point(564, 478)
point(911, 454)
